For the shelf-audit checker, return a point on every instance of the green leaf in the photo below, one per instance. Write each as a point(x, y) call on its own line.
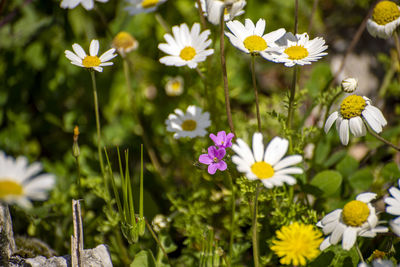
point(334, 158)
point(347, 166)
point(144, 258)
point(361, 179)
point(327, 181)
point(390, 172)
point(321, 152)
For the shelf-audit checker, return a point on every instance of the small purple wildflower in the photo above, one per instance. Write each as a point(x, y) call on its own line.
point(222, 139)
point(214, 159)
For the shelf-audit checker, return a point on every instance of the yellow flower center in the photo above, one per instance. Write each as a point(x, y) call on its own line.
point(176, 86)
point(296, 52)
point(297, 243)
point(10, 188)
point(149, 3)
point(187, 53)
point(385, 12)
point(226, 12)
point(355, 213)
point(123, 41)
point(91, 61)
point(352, 106)
point(189, 125)
point(255, 43)
point(215, 159)
point(377, 254)
point(262, 170)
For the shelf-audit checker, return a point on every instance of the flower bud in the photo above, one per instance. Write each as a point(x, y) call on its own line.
point(349, 85)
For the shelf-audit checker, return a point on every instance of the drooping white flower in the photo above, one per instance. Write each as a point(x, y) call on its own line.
point(87, 4)
point(124, 42)
point(299, 49)
point(142, 6)
point(353, 110)
point(349, 85)
point(250, 38)
point(20, 182)
point(269, 165)
point(91, 61)
point(357, 218)
point(385, 19)
point(192, 123)
point(212, 9)
point(186, 47)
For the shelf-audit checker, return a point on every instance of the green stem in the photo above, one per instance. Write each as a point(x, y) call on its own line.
point(157, 240)
point(225, 75)
point(201, 14)
point(254, 227)
point(396, 40)
point(291, 99)
point(253, 76)
point(233, 204)
point(328, 107)
point(359, 253)
point(78, 171)
point(296, 12)
point(380, 138)
point(96, 110)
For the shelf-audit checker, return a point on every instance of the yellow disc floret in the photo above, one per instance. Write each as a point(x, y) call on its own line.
point(355, 213)
point(297, 243)
point(296, 52)
point(352, 106)
point(255, 43)
point(10, 188)
point(187, 53)
point(262, 170)
point(385, 12)
point(91, 61)
point(149, 3)
point(189, 125)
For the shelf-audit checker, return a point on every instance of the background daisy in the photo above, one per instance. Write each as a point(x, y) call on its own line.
point(215, 8)
point(385, 19)
point(91, 61)
point(186, 47)
point(20, 182)
point(269, 166)
point(190, 124)
point(174, 86)
point(393, 207)
point(87, 4)
point(299, 50)
point(250, 38)
point(354, 110)
point(143, 6)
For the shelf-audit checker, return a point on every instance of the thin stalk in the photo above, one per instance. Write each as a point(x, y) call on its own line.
point(157, 240)
point(141, 225)
point(291, 99)
point(296, 15)
point(314, 9)
point(225, 75)
point(201, 14)
point(96, 110)
point(254, 228)
point(253, 76)
point(233, 204)
point(204, 80)
point(359, 253)
point(78, 172)
point(328, 107)
point(163, 23)
point(396, 40)
point(380, 138)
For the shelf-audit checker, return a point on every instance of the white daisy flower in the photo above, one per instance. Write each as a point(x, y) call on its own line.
point(385, 19)
point(357, 218)
point(212, 9)
point(269, 165)
point(393, 207)
point(124, 42)
point(190, 124)
point(87, 4)
point(186, 47)
point(20, 182)
point(174, 86)
point(79, 58)
point(299, 49)
point(142, 6)
point(349, 85)
point(353, 111)
point(250, 38)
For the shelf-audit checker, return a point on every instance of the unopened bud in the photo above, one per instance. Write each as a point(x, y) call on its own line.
point(349, 85)
point(75, 147)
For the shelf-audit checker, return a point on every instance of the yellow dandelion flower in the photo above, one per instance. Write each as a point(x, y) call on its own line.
point(297, 243)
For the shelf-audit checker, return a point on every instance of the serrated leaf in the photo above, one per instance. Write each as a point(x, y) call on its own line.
point(328, 181)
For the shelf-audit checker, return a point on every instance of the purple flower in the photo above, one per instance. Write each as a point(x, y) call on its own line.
point(222, 140)
point(214, 159)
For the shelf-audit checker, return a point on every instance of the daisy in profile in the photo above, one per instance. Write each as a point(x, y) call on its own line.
point(299, 49)
point(385, 19)
point(393, 207)
point(186, 47)
point(190, 124)
point(124, 43)
point(269, 165)
point(357, 218)
point(250, 38)
point(87, 4)
point(297, 243)
point(354, 110)
point(212, 9)
point(20, 181)
point(91, 61)
point(174, 86)
point(142, 6)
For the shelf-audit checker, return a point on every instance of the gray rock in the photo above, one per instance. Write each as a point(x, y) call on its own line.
point(7, 243)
